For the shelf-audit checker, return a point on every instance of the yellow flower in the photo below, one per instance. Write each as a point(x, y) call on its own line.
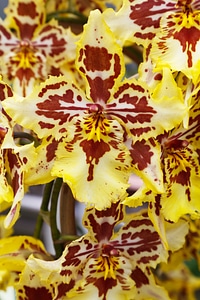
point(111, 261)
point(177, 43)
point(179, 156)
point(30, 50)
point(104, 131)
point(169, 30)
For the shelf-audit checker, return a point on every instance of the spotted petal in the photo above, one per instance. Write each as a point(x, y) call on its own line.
point(148, 111)
point(145, 160)
point(6, 191)
point(16, 164)
point(177, 43)
point(99, 59)
point(49, 107)
point(140, 19)
point(24, 17)
point(40, 171)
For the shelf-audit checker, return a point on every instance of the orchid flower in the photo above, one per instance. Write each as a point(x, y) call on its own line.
point(180, 150)
point(111, 261)
point(169, 30)
point(97, 127)
point(29, 48)
point(180, 158)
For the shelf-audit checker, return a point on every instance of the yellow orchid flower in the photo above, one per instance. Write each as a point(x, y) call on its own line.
point(177, 43)
point(190, 249)
point(179, 156)
point(31, 49)
point(169, 30)
point(175, 275)
point(102, 264)
point(104, 131)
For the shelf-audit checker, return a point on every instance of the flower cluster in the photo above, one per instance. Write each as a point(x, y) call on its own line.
point(74, 119)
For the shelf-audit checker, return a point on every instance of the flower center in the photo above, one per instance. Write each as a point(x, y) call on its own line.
point(185, 5)
point(24, 55)
point(96, 124)
point(108, 261)
point(173, 145)
point(176, 144)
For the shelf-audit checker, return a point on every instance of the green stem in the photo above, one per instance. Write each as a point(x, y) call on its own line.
point(25, 135)
point(67, 213)
point(135, 53)
point(58, 15)
point(55, 233)
point(44, 207)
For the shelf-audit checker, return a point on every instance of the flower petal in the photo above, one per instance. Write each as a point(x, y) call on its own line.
point(177, 43)
point(40, 172)
point(14, 251)
point(100, 59)
point(147, 111)
point(16, 163)
point(82, 162)
point(24, 17)
point(49, 107)
point(140, 19)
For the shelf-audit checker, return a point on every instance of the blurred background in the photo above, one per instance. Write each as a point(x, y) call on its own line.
point(3, 4)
